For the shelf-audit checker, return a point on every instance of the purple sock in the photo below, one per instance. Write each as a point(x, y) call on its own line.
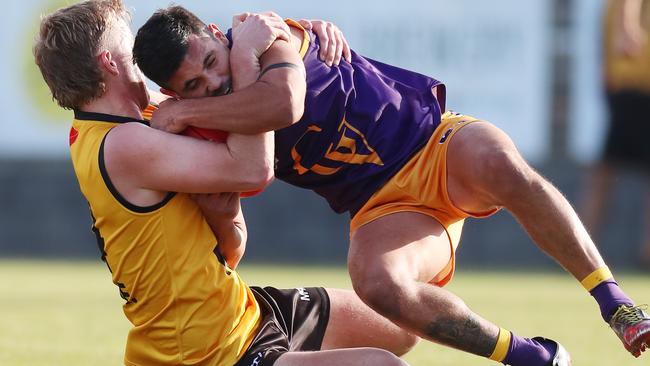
point(609, 297)
point(529, 352)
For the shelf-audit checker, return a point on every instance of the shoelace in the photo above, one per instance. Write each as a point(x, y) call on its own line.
point(630, 314)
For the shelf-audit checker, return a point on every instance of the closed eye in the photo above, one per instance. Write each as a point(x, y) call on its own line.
point(211, 62)
point(191, 84)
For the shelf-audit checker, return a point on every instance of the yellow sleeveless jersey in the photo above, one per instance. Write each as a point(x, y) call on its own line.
point(186, 306)
point(625, 73)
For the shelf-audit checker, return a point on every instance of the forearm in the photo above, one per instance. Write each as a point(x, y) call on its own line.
point(629, 14)
point(254, 155)
point(250, 111)
point(270, 102)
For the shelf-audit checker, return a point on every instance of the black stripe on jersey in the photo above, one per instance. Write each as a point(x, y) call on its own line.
point(118, 196)
point(280, 65)
point(102, 117)
point(101, 244)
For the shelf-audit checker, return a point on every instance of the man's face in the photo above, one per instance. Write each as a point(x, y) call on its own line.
point(205, 70)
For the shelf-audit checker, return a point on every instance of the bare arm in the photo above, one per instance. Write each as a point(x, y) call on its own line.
point(274, 101)
point(630, 35)
point(223, 213)
point(145, 163)
point(139, 158)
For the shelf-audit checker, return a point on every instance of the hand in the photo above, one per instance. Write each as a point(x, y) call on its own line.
point(222, 211)
point(630, 40)
point(165, 118)
point(258, 31)
point(218, 206)
point(333, 44)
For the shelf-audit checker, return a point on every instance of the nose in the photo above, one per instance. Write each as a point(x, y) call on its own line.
point(217, 85)
point(213, 84)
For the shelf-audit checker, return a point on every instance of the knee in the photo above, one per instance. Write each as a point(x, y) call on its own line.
point(504, 172)
point(379, 289)
point(485, 160)
point(406, 343)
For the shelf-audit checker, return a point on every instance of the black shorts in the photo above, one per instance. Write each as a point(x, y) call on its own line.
point(629, 128)
point(292, 320)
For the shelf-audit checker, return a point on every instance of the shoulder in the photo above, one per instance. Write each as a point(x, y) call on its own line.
point(300, 37)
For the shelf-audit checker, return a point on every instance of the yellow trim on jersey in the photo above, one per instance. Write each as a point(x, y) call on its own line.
point(147, 113)
point(305, 40)
point(503, 344)
point(596, 278)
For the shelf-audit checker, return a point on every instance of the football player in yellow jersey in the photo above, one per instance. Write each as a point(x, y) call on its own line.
point(172, 256)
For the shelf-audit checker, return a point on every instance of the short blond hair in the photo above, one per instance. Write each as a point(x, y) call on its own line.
point(67, 46)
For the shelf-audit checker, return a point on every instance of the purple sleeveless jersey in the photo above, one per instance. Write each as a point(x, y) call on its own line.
point(363, 121)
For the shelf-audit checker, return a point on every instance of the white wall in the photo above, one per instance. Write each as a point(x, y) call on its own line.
point(588, 110)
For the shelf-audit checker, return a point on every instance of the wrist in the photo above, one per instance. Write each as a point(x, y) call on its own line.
point(245, 67)
point(241, 55)
point(223, 223)
point(180, 117)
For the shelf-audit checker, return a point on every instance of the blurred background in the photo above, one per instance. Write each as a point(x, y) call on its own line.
point(533, 68)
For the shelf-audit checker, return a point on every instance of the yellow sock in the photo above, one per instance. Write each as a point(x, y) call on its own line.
point(501, 349)
point(597, 277)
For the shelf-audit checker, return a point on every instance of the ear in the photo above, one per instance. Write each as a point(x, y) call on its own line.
point(107, 63)
point(169, 93)
point(214, 29)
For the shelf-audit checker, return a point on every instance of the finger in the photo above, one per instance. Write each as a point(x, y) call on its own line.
point(324, 40)
point(347, 53)
point(339, 47)
point(281, 30)
point(305, 23)
point(273, 15)
point(331, 47)
point(283, 26)
point(239, 18)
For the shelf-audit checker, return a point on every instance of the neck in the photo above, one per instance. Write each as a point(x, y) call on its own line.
point(115, 104)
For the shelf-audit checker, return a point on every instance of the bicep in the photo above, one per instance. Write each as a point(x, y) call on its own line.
point(282, 63)
point(155, 160)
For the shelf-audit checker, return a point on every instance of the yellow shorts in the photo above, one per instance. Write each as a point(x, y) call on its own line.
point(421, 186)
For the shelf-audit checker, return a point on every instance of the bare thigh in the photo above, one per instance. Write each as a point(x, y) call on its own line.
point(408, 245)
point(341, 357)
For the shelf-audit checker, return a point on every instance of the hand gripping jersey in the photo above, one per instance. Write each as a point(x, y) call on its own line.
point(363, 121)
point(185, 304)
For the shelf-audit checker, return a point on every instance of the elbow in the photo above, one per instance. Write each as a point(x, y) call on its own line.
point(265, 175)
point(291, 105)
point(296, 106)
point(258, 176)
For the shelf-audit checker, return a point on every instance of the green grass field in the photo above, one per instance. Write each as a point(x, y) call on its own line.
point(69, 313)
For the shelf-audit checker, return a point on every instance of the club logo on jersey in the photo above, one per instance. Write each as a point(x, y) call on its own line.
point(257, 359)
point(445, 136)
point(73, 135)
point(304, 295)
point(352, 147)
